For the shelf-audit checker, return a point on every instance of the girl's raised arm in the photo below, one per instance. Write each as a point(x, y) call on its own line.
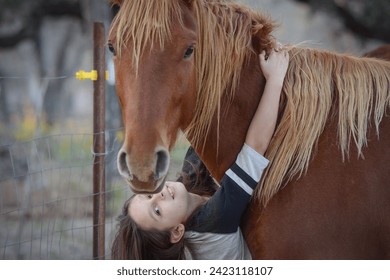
point(263, 123)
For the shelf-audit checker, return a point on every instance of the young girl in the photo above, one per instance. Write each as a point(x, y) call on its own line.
point(180, 224)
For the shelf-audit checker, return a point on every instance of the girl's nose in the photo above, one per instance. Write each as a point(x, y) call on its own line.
point(158, 196)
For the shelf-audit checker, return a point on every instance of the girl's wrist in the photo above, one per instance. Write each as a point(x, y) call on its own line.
point(275, 82)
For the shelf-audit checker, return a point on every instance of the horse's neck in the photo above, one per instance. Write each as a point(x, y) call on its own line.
point(226, 139)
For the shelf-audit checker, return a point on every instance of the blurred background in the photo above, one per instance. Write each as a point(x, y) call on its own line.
point(46, 114)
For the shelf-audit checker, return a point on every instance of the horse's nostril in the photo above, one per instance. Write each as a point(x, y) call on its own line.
point(162, 163)
point(123, 168)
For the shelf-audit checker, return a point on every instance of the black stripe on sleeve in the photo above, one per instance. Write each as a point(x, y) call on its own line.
point(244, 176)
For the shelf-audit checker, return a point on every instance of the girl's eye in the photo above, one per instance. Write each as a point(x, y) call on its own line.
point(189, 52)
point(157, 211)
point(149, 196)
point(111, 48)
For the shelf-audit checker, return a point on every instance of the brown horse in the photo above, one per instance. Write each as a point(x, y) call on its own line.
point(192, 65)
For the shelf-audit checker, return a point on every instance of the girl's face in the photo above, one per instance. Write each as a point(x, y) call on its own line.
point(163, 210)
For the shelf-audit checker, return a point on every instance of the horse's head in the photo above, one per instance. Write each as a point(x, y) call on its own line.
point(155, 83)
point(164, 85)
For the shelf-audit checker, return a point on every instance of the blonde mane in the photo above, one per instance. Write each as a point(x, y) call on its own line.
point(225, 31)
point(314, 81)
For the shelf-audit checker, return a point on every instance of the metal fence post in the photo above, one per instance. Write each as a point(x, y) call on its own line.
point(99, 93)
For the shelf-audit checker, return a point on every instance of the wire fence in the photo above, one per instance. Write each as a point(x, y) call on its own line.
point(47, 191)
point(46, 197)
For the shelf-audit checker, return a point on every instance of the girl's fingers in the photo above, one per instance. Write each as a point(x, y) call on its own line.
point(262, 56)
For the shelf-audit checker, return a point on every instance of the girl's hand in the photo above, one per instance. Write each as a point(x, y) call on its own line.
point(262, 126)
point(274, 66)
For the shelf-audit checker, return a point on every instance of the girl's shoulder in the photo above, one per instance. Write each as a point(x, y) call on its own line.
point(206, 245)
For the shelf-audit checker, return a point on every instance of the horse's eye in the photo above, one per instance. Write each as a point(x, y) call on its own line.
point(111, 48)
point(189, 52)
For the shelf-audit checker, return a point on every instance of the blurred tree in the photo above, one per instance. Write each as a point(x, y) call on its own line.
point(22, 20)
point(366, 18)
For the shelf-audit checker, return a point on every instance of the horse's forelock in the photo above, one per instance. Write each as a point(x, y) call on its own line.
point(144, 22)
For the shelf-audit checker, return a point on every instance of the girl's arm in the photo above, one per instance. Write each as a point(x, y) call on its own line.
point(263, 123)
point(222, 212)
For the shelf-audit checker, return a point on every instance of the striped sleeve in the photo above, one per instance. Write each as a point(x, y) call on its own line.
point(246, 172)
point(222, 212)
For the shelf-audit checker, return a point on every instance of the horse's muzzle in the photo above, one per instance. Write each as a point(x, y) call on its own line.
point(144, 176)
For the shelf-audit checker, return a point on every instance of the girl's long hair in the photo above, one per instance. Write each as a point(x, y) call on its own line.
point(133, 243)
